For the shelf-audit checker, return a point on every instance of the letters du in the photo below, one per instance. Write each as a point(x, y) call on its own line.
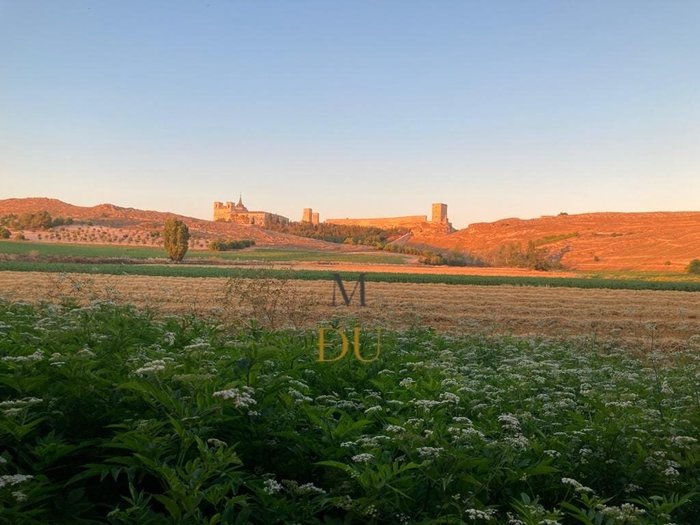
point(345, 346)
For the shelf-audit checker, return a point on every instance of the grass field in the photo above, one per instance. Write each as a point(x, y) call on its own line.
point(173, 270)
point(112, 416)
point(102, 251)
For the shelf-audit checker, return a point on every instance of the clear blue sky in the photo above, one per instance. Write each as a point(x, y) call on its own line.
point(355, 108)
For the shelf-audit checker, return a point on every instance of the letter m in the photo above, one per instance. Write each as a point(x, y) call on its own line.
point(338, 283)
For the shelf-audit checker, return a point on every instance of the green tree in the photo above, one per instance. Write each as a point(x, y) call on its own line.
point(694, 267)
point(176, 236)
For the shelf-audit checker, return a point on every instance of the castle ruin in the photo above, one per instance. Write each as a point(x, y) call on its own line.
point(310, 216)
point(239, 214)
point(438, 220)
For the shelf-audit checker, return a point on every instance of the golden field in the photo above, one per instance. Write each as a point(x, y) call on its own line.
point(637, 319)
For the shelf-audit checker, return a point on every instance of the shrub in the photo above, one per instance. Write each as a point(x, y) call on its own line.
point(694, 267)
point(224, 246)
point(176, 236)
point(4, 233)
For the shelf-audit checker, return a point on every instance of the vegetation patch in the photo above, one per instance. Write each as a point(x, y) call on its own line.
point(110, 415)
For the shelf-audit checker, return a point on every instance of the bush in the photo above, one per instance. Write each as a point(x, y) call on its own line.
point(225, 246)
point(4, 233)
point(694, 267)
point(176, 236)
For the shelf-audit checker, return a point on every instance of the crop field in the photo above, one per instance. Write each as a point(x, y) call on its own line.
point(641, 319)
point(103, 251)
point(111, 415)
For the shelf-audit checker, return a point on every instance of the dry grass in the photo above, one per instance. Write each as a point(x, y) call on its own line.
point(635, 318)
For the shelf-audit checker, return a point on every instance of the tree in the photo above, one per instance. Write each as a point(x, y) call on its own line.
point(176, 236)
point(694, 267)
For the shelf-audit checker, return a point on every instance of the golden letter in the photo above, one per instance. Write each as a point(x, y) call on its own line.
point(356, 346)
point(322, 346)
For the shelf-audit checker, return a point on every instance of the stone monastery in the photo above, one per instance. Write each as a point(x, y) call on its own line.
point(239, 214)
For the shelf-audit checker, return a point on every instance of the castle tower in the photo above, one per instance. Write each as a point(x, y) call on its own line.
point(439, 213)
point(307, 216)
point(315, 218)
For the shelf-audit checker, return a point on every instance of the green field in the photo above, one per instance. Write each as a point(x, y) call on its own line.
point(102, 251)
point(175, 270)
point(109, 416)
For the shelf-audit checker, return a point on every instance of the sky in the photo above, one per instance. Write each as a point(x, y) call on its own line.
point(353, 108)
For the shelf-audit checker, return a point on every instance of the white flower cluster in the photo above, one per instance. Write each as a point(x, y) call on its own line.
point(13, 479)
point(578, 487)
point(272, 486)
point(242, 398)
point(430, 452)
point(36, 356)
point(509, 422)
point(15, 406)
point(151, 367)
point(363, 458)
point(478, 514)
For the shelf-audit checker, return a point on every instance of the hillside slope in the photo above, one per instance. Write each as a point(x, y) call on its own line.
point(132, 219)
point(595, 241)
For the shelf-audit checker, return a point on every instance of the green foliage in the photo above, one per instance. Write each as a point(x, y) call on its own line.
point(224, 246)
point(4, 233)
point(341, 234)
point(110, 415)
point(534, 258)
point(176, 237)
point(40, 220)
point(694, 267)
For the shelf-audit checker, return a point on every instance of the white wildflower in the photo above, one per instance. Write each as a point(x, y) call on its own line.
point(272, 486)
point(242, 398)
point(430, 452)
point(13, 479)
point(578, 487)
point(362, 458)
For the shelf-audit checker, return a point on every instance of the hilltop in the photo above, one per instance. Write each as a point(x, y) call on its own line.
point(591, 241)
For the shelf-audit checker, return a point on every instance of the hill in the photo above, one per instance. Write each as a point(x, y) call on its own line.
point(107, 221)
point(592, 241)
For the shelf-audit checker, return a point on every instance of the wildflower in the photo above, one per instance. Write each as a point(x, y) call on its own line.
point(150, 368)
point(395, 429)
point(374, 409)
point(13, 479)
point(241, 398)
point(362, 458)
point(36, 356)
point(578, 487)
point(216, 443)
point(169, 338)
point(407, 382)
point(271, 486)
point(310, 488)
point(19, 496)
point(477, 514)
point(430, 452)
point(509, 422)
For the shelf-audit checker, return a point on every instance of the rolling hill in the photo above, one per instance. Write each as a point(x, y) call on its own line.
point(109, 216)
point(592, 241)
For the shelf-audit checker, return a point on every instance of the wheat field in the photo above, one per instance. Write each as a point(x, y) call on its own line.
point(639, 319)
